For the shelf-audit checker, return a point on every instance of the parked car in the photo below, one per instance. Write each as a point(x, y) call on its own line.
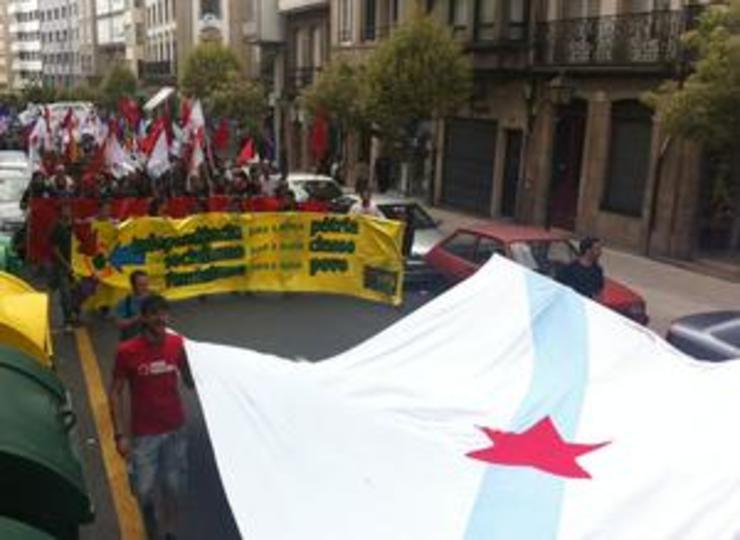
point(12, 185)
point(14, 161)
point(713, 336)
point(317, 187)
point(467, 249)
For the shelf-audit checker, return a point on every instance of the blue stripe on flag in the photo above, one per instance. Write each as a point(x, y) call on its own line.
point(523, 503)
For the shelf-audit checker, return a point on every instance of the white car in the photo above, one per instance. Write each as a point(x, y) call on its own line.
point(14, 160)
point(316, 187)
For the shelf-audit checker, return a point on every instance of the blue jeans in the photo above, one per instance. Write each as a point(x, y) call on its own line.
point(158, 463)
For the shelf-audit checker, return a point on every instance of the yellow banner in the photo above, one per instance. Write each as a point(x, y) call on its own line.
point(221, 252)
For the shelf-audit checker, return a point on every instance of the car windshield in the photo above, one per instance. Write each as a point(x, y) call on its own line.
point(544, 256)
point(422, 220)
point(321, 190)
point(11, 188)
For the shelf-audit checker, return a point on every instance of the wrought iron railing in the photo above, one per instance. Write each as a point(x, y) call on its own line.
point(156, 70)
point(650, 39)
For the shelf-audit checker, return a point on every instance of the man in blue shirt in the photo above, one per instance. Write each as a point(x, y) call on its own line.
point(128, 310)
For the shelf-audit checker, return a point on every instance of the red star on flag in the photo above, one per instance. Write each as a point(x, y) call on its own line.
point(540, 446)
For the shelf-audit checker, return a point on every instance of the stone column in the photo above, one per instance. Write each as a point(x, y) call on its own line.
point(595, 162)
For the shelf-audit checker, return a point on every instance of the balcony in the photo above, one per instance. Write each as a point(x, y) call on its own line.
point(649, 40)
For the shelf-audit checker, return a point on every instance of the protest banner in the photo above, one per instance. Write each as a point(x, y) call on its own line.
point(221, 252)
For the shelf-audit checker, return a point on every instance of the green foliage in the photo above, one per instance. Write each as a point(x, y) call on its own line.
point(119, 83)
point(207, 69)
point(419, 73)
point(38, 93)
point(213, 74)
point(340, 94)
point(240, 100)
point(706, 107)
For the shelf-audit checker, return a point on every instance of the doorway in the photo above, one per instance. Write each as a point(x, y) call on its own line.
point(567, 158)
point(512, 169)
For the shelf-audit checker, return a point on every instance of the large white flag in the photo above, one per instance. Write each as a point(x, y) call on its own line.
point(159, 160)
point(508, 408)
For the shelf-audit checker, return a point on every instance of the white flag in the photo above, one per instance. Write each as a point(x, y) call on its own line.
point(118, 162)
point(159, 159)
point(508, 408)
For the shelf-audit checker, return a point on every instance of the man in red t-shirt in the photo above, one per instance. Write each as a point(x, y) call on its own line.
point(152, 364)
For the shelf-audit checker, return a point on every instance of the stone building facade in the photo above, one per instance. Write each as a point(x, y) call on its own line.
point(556, 132)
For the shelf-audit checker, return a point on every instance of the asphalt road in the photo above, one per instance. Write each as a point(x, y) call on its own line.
point(309, 327)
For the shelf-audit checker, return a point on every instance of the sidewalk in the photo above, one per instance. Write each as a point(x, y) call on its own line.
point(671, 288)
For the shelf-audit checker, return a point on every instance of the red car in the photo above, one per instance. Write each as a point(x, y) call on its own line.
point(459, 256)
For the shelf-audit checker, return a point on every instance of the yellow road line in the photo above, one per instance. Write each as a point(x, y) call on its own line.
point(127, 509)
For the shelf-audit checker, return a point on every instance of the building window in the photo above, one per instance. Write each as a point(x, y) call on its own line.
point(458, 16)
point(345, 21)
point(370, 18)
point(629, 159)
point(576, 9)
point(485, 20)
point(210, 7)
point(645, 6)
point(318, 47)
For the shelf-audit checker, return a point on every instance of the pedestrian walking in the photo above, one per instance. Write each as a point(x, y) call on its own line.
point(128, 310)
point(151, 365)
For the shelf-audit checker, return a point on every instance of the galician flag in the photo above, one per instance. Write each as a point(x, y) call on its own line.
point(507, 408)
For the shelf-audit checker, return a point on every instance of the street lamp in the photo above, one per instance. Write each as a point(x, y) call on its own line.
point(561, 91)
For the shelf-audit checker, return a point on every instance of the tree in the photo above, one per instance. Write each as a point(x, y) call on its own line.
point(240, 100)
point(208, 68)
point(706, 106)
point(419, 73)
point(119, 83)
point(339, 93)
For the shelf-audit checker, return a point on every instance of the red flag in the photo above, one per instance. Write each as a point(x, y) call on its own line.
point(247, 153)
point(319, 137)
point(97, 162)
point(147, 143)
point(220, 139)
point(129, 109)
point(185, 109)
point(68, 119)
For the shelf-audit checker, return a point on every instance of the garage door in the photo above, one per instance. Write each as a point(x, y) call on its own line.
point(467, 181)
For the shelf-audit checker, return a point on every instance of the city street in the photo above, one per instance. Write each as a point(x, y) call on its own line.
point(305, 327)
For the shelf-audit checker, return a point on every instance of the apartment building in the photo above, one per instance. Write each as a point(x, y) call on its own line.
point(87, 40)
point(60, 42)
point(4, 48)
point(159, 63)
point(110, 18)
point(307, 52)
point(229, 22)
point(24, 37)
point(556, 132)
